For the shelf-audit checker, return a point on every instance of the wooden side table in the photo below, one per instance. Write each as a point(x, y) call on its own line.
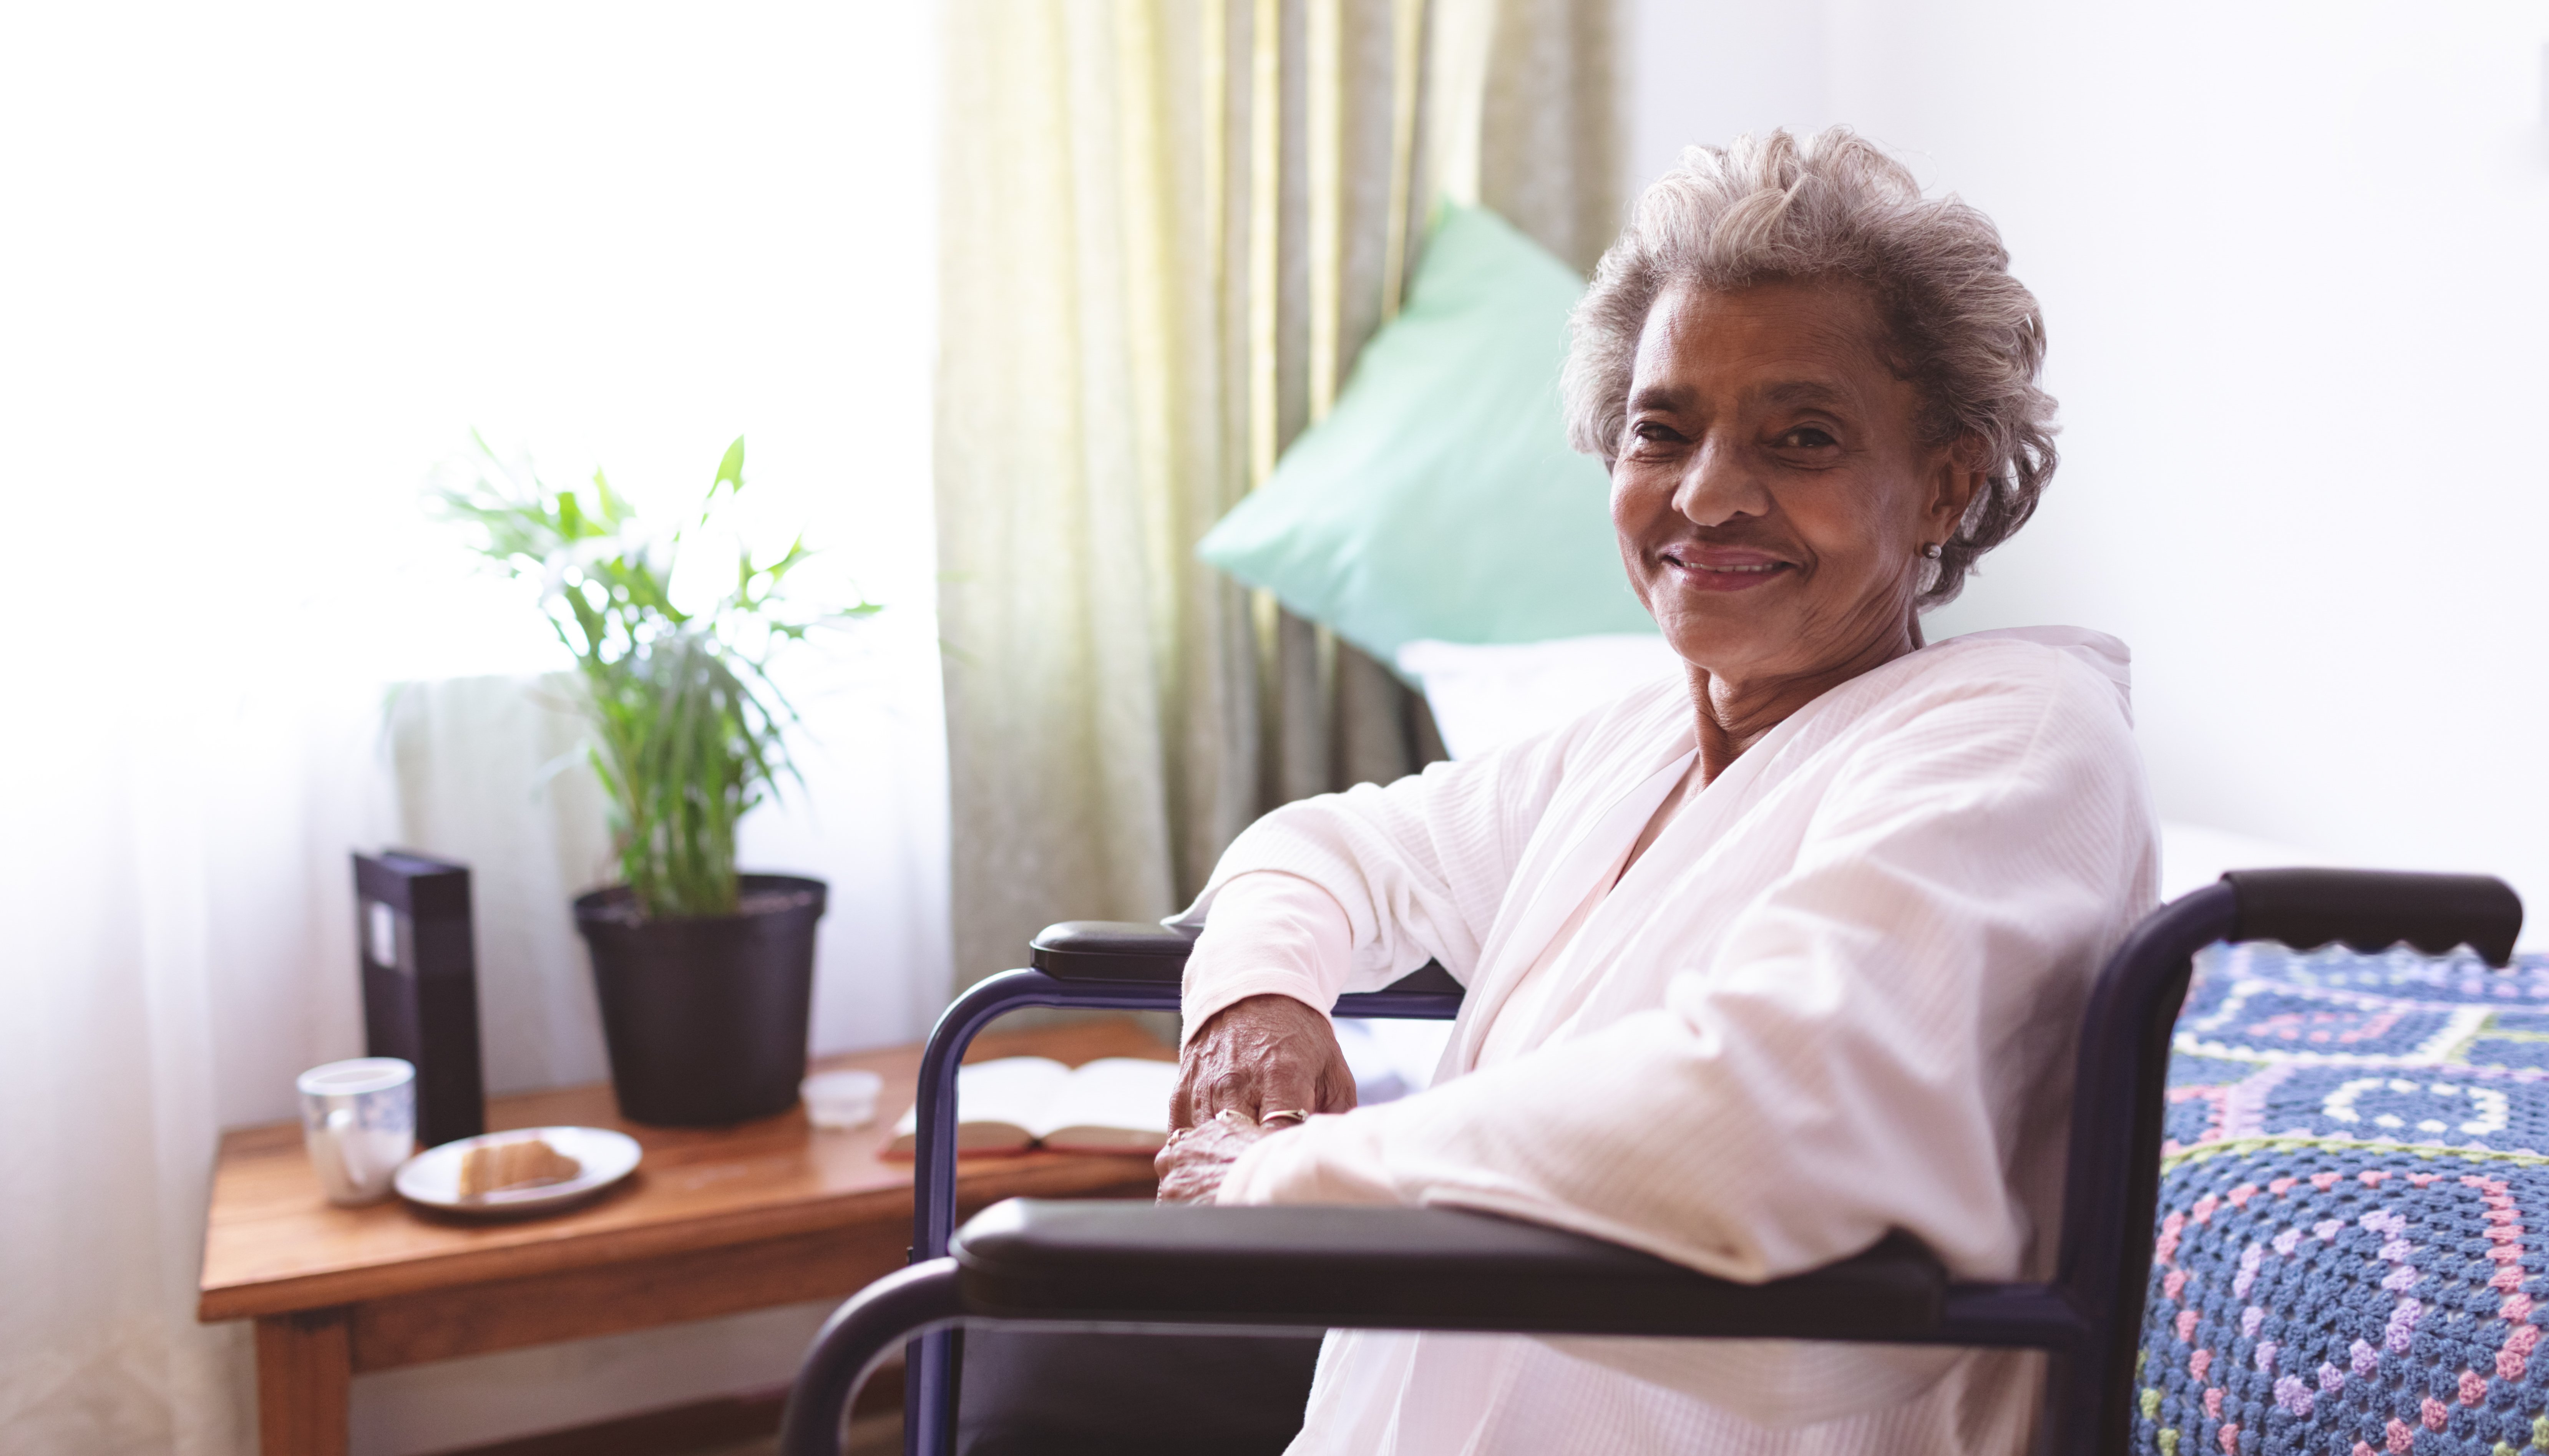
point(712, 1222)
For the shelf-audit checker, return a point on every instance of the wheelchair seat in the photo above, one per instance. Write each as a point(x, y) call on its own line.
point(1032, 1393)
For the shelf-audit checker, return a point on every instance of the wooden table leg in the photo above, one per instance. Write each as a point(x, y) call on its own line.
point(305, 1369)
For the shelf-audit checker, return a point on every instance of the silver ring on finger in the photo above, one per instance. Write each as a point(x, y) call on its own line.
point(1289, 1116)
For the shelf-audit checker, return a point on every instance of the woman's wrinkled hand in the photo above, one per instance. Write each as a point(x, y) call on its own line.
point(1255, 1069)
point(1260, 1057)
point(1196, 1159)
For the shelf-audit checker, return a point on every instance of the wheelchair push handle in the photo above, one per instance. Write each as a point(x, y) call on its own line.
point(2373, 910)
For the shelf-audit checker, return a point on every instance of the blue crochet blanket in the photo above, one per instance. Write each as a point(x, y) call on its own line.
point(2353, 1218)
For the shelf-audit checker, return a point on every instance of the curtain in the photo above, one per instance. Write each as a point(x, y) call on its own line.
point(178, 940)
point(172, 946)
point(1166, 226)
point(284, 268)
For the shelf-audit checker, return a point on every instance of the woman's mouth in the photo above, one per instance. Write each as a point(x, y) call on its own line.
point(1725, 570)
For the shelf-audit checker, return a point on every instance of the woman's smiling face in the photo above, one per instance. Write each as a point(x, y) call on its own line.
point(1772, 495)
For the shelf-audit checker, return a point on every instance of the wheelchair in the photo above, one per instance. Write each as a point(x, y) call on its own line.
point(1031, 1264)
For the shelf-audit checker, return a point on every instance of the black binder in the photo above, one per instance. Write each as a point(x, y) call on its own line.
point(420, 985)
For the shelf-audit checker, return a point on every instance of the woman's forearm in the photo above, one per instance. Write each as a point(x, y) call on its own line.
point(1270, 933)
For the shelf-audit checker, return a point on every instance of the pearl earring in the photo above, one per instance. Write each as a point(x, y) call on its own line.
point(1933, 550)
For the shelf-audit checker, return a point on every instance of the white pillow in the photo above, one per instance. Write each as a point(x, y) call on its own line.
point(1487, 694)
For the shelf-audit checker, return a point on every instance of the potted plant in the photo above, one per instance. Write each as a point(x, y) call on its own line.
point(705, 974)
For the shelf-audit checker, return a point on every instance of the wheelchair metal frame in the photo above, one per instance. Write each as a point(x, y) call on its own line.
point(930, 1362)
point(1038, 1264)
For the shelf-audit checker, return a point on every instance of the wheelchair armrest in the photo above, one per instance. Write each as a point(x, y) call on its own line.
point(1407, 1268)
point(1429, 980)
point(1111, 950)
point(1140, 953)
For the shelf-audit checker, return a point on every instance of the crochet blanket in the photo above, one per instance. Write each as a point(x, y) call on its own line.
point(2353, 1213)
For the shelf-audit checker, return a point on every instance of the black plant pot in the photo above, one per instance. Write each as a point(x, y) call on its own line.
point(705, 1018)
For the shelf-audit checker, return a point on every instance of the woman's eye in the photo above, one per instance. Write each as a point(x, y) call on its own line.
point(1807, 437)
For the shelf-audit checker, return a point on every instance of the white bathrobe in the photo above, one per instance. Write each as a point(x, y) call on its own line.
point(1838, 995)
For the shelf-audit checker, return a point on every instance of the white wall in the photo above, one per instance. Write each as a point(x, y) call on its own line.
point(2295, 260)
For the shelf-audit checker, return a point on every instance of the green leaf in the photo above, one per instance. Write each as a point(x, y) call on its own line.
point(688, 730)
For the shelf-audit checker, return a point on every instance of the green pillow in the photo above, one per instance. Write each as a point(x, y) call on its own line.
point(1439, 497)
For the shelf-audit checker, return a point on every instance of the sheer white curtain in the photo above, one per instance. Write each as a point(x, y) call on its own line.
point(265, 267)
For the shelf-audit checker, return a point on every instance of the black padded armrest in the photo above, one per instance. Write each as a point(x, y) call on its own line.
point(1407, 1268)
point(1429, 980)
point(2372, 910)
point(1139, 951)
point(1111, 950)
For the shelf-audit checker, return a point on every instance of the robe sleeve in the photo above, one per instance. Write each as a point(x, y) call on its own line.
point(1272, 933)
point(1350, 891)
point(1859, 1054)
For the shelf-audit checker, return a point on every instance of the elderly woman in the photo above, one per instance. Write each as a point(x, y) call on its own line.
point(1760, 965)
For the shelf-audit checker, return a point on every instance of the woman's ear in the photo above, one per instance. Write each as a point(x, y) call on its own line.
point(1959, 477)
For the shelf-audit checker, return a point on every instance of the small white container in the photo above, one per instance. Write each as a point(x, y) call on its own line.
point(842, 1099)
point(358, 1121)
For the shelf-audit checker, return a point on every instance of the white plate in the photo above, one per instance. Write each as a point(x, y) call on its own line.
point(433, 1177)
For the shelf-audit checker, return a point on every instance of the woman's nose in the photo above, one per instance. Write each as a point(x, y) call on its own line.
point(1718, 485)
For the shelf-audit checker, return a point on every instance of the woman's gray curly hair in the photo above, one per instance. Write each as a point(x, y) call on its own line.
point(1834, 204)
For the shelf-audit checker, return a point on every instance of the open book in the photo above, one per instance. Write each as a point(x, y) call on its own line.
point(1115, 1104)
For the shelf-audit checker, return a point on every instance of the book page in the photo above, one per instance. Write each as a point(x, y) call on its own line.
point(1115, 1104)
point(999, 1105)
